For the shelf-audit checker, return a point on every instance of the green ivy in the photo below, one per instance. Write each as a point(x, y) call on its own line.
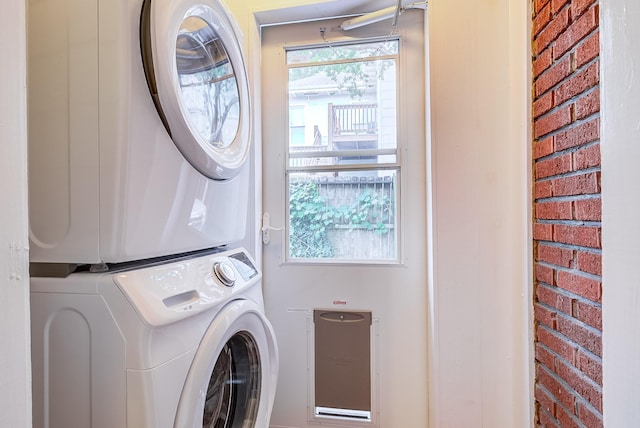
point(309, 220)
point(311, 217)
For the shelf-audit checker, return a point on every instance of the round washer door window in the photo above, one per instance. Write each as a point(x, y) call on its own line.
point(233, 393)
point(198, 81)
point(232, 378)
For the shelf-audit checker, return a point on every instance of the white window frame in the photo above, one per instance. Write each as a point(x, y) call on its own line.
point(396, 166)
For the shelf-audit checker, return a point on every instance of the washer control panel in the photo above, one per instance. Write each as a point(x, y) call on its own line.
point(175, 290)
point(245, 266)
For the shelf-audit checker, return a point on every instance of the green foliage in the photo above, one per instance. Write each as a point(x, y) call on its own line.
point(308, 222)
point(311, 217)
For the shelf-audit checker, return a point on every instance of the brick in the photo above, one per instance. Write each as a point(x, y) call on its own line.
point(588, 210)
point(584, 236)
point(542, 62)
point(555, 255)
point(583, 184)
point(587, 157)
point(582, 286)
point(552, 121)
point(568, 288)
point(588, 104)
point(554, 75)
point(591, 418)
point(545, 420)
point(551, 382)
point(538, 5)
point(590, 314)
point(588, 338)
point(554, 166)
point(553, 297)
point(578, 83)
point(545, 400)
point(556, 210)
point(590, 366)
point(582, 133)
point(552, 31)
point(543, 232)
point(588, 49)
point(545, 357)
point(543, 104)
point(544, 274)
point(542, 147)
point(544, 316)
point(543, 189)
point(556, 343)
point(589, 262)
point(579, 6)
point(556, 5)
point(542, 18)
point(581, 384)
point(577, 31)
point(566, 418)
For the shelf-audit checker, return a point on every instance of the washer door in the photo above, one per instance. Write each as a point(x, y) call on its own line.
point(231, 382)
point(198, 81)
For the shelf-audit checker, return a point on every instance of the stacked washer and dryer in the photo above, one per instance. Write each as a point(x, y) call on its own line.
point(146, 310)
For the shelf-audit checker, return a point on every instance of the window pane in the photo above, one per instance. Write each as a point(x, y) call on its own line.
point(346, 215)
point(208, 86)
point(351, 109)
point(343, 168)
point(341, 52)
point(296, 135)
point(296, 115)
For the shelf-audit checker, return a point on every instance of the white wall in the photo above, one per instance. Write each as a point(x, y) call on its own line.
point(620, 137)
point(15, 357)
point(480, 258)
point(480, 144)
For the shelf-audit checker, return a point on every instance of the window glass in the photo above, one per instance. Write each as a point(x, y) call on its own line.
point(342, 168)
point(342, 51)
point(296, 126)
point(233, 392)
point(209, 91)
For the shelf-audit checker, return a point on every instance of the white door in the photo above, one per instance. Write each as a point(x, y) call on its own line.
point(198, 81)
point(344, 175)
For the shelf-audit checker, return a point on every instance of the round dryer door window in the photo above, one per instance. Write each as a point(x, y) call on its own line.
point(198, 82)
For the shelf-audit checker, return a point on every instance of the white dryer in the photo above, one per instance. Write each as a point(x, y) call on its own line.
point(140, 129)
point(183, 344)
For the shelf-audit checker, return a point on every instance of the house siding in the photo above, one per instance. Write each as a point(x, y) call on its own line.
point(567, 213)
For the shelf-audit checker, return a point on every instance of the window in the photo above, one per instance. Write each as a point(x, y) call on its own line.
point(296, 125)
point(343, 166)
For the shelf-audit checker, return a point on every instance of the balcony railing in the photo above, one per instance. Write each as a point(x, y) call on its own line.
point(352, 138)
point(353, 119)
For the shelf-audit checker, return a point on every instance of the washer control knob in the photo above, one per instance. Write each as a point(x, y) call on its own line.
point(225, 273)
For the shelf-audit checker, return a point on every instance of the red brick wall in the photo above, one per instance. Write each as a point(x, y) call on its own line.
point(567, 232)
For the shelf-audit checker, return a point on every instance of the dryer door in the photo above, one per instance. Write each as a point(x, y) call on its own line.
point(231, 382)
point(198, 81)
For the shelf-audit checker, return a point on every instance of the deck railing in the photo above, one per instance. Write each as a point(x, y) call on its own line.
point(352, 127)
point(353, 119)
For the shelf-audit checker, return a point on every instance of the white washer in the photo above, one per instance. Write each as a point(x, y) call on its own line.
point(139, 129)
point(183, 344)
